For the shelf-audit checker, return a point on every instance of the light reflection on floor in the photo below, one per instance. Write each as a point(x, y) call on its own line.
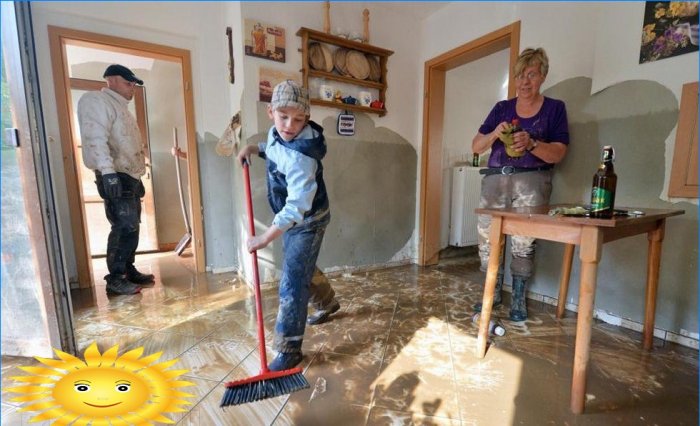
point(399, 352)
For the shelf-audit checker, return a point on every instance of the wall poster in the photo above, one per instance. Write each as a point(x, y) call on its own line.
point(264, 41)
point(670, 28)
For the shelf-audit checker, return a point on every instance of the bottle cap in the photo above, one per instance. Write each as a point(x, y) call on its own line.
point(608, 153)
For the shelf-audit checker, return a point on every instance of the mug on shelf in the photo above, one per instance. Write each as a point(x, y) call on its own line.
point(326, 92)
point(365, 98)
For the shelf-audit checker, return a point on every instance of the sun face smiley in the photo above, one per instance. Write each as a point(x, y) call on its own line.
point(101, 392)
point(105, 389)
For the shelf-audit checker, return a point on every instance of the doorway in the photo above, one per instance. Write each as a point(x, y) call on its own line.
point(435, 71)
point(140, 57)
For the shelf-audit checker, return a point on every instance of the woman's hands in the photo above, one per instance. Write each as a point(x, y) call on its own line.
point(521, 141)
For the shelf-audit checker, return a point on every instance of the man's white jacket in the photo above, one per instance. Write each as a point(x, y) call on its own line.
point(111, 140)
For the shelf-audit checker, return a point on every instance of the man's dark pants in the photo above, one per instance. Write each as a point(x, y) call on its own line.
point(124, 214)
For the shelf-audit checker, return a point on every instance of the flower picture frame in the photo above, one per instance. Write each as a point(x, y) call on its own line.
point(670, 29)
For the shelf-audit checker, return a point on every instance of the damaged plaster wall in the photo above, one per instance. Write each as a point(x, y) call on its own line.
point(635, 117)
point(370, 178)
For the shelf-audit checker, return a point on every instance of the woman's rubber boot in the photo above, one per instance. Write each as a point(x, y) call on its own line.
point(497, 298)
point(518, 307)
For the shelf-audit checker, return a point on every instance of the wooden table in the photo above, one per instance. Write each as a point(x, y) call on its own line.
point(590, 235)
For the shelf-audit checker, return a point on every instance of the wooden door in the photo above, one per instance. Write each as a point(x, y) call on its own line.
point(93, 207)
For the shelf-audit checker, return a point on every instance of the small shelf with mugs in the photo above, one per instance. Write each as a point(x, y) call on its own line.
point(342, 73)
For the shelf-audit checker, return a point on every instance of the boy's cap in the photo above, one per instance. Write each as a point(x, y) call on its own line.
point(124, 72)
point(290, 94)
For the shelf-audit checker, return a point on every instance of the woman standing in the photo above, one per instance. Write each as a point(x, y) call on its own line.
point(537, 132)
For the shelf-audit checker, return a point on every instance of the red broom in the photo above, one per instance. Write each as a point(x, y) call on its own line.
point(267, 384)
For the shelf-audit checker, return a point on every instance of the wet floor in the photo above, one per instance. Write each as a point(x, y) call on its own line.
point(399, 352)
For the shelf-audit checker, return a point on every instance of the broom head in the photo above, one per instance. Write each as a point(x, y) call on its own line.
point(265, 385)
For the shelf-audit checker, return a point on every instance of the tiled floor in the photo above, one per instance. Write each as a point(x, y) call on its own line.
point(400, 352)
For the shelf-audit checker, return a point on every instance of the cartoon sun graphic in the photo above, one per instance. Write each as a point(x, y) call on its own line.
point(103, 390)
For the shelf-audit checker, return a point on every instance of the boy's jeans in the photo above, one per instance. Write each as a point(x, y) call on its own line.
point(301, 247)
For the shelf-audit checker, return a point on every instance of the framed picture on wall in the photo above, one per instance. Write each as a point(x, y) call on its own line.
point(670, 28)
point(264, 41)
point(269, 78)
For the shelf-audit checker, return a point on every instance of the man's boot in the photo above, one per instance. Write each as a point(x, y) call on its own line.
point(133, 275)
point(497, 297)
point(518, 307)
point(118, 284)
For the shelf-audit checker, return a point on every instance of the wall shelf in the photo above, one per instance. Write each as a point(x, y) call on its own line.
point(349, 107)
point(312, 36)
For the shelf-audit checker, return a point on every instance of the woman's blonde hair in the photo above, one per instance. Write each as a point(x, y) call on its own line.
point(530, 57)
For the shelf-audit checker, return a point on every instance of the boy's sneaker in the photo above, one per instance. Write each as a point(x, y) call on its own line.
point(137, 277)
point(118, 284)
point(321, 316)
point(285, 361)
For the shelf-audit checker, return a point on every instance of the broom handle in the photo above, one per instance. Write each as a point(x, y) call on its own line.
point(256, 276)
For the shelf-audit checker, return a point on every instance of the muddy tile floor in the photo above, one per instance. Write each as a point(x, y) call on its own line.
point(399, 352)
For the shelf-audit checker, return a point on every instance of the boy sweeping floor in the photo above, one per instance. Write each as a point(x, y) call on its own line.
point(297, 194)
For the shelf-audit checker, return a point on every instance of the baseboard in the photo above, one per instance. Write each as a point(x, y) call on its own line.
point(221, 270)
point(687, 339)
point(337, 271)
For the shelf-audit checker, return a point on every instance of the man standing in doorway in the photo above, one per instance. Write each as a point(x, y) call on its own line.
point(113, 149)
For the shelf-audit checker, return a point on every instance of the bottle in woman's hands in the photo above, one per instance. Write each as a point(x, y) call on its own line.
point(507, 138)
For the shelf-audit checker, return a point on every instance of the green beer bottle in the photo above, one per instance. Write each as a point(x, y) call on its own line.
point(604, 183)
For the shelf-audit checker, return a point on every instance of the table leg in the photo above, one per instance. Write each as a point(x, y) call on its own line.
point(591, 245)
point(655, 238)
point(497, 239)
point(564, 279)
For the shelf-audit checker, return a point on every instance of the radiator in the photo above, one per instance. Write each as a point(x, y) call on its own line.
point(466, 190)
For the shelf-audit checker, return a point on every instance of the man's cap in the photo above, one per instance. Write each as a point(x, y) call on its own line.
point(290, 94)
point(122, 71)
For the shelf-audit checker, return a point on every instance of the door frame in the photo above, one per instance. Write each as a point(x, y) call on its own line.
point(59, 37)
point(435, 69)
point(39, 198)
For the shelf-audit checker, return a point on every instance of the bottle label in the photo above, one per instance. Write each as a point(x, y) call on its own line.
point(601, 199)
